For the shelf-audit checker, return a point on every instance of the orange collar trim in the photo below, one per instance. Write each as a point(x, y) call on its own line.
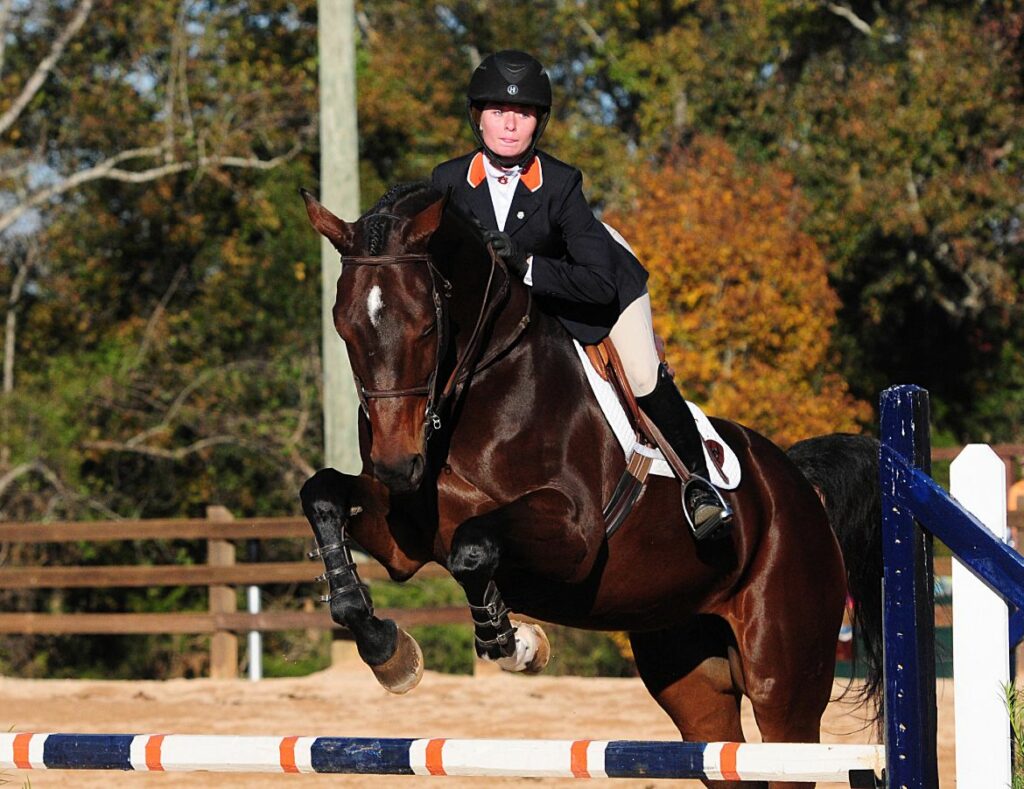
point(532, 176)
point(477, 174)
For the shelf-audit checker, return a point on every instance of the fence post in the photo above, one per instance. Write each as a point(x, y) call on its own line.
point(255, 636)
point(981, 641)
point(223, 643)
point(908, 589)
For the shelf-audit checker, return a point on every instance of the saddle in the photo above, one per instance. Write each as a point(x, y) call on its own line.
point(606, 363)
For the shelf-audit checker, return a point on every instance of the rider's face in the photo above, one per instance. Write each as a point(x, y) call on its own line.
point(507, 129)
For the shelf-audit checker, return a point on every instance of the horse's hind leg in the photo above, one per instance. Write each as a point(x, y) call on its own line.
point(789, 652)
point(328, 503)
point(689, 672)
point(789, 676)
point(473, 562)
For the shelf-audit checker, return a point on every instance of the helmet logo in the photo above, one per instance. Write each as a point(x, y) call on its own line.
point(512, 90)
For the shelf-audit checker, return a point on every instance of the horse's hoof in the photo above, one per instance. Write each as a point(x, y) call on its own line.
point(533, 650)
point(542, 656)
point(403, 671)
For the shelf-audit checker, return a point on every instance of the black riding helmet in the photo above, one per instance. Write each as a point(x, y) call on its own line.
point(509, 77)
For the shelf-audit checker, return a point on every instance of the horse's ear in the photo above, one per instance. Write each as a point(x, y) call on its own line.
point(422, 226)
point(335, 230)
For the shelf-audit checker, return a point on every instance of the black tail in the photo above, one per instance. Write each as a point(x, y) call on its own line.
point(844, 469)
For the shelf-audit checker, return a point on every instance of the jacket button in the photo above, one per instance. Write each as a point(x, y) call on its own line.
point(520, 215)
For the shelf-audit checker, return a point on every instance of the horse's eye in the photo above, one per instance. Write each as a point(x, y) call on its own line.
point(429, 330)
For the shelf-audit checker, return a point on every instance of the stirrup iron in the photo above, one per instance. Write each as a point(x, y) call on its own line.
point(715, 527)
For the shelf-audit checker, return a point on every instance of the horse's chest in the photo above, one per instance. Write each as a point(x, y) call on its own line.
point(459, 498)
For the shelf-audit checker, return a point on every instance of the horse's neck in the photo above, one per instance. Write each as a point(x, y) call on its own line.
point(540, 368)
point(536, 364)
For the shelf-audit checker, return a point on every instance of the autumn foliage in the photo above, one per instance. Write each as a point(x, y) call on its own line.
point(740, 293)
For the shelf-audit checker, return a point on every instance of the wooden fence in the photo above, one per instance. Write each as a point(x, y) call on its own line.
point(221, 574)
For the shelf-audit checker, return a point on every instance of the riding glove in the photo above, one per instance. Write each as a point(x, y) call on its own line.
point(508, 250)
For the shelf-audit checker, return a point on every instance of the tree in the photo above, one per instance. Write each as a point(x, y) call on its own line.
point(901, 123)
point(106, 99)
point(162, 283)
point(145, 80)
point(740, 292)
point(915, 163)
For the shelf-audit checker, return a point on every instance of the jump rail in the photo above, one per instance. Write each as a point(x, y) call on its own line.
point(392, 756)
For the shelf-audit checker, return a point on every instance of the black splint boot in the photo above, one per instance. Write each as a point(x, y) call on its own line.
point(705, 509)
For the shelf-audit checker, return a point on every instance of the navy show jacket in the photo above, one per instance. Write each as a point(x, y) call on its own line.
point(580, 273)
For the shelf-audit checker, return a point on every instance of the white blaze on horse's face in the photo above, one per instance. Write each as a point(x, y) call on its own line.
point(374, 305)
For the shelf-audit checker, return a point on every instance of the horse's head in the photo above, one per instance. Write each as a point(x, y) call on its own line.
point(388, 312)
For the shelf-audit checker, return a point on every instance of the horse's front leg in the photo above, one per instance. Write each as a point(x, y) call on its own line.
point(473, 562)
point(329, 500)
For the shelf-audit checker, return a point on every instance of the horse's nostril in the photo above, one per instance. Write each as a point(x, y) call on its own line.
point(402, 476)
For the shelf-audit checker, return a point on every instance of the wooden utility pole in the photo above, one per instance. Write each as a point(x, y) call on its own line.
point(339, 191)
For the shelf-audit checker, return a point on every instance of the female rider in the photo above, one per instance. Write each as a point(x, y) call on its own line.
point(537, 219)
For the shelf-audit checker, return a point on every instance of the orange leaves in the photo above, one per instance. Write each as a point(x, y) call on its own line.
point(740, 293)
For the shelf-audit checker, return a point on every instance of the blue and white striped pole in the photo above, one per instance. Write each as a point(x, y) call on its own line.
point(442, 756)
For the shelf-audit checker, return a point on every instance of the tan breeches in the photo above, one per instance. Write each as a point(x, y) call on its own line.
point(633, 337)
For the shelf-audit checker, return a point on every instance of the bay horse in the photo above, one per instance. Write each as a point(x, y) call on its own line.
point(484, 450)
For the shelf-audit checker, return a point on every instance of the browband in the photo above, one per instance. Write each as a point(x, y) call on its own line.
point(384, 260)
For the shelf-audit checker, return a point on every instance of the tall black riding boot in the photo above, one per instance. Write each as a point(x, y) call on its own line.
point(665, 406)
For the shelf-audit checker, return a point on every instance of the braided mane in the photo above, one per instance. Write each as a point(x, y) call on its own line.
point(458, 229)
point(403, 199)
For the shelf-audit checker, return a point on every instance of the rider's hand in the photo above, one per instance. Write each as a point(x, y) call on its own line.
point(508, 250)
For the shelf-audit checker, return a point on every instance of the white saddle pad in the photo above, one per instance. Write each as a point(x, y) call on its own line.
point(618, 420)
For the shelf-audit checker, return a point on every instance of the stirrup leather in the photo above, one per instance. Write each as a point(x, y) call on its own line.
point(714, 526)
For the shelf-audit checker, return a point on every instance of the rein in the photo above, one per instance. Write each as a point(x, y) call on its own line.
point(464, 366)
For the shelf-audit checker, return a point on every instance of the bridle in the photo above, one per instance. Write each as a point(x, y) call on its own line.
point(437, 396)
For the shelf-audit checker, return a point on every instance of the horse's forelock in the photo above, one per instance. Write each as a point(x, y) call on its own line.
point(376, 228)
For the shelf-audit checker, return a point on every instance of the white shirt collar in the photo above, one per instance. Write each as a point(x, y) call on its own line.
point(496, 172)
